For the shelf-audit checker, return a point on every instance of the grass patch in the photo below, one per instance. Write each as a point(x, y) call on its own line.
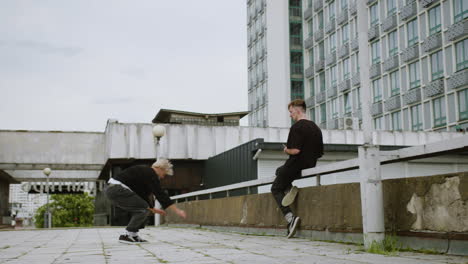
point(389, 246)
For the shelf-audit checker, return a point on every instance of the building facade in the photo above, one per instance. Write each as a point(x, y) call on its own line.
point(275, 61)
point(418, 54)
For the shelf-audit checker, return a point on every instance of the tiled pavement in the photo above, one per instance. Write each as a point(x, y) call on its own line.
point(185, 245)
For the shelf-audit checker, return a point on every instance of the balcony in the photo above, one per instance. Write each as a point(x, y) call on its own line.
point(375, 70)
point(308, 13)
point(344, 85)
point(391, 63)
point(389, 23)
point(330, 26)
point(320, 97)
point(318, 35)
point(356, 80)
point(393, 103)
point(331, 58)
point(355, 44)
point(310, 101)
point(309, 72)
point(432, 42)
point(412, 96)
point(333, 124)
point(426, 3)
point(318, 4)
point(344, 51)
point(410, 53)
point(457, 30)
point(434, 88)
point(377, 109)
point(342, 17)
point(332, 92)
point(352, 9)
point(408, 11)
point(319, 65)
point(457, 80)
point(373, 33)
point(309, 42)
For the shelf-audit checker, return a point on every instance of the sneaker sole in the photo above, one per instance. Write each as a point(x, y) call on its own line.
point(294, 227)
point(290, 197)
point(129, 243)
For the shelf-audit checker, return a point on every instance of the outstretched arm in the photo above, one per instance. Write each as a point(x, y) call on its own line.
point(177, 211)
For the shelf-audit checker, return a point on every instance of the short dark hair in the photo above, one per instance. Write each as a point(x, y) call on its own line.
point(298, 103)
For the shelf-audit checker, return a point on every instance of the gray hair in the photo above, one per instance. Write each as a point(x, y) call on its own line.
point(164, 164)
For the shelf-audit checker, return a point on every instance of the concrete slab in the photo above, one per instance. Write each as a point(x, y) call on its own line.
point(185, 245)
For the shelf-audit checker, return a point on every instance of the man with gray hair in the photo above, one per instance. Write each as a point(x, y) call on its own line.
point(134, 190)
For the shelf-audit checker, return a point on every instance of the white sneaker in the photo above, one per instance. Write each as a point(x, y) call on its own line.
point(290, 196)
point(292, 227)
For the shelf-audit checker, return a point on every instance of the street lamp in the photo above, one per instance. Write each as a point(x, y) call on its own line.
point(158, 133)
point(47, 215)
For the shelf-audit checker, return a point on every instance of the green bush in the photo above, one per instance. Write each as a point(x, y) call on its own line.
point(68, 210)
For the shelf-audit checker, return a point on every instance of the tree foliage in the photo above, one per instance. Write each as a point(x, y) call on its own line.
point(68, 210)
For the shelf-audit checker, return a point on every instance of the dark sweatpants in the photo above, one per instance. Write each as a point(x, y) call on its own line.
point(285, 175)
point(130, 202)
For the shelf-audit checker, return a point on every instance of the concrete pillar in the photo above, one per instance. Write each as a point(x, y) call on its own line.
point(371, 195)
point(369, 164)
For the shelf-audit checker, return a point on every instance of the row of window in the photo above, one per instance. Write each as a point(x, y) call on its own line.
point(439, 112)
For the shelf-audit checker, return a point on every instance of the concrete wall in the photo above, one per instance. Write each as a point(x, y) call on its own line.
point(432, 207)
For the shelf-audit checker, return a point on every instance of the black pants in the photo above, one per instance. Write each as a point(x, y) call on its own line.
point(285, 175)
point(130, 202)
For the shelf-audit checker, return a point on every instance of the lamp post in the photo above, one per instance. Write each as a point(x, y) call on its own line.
point(47, 216)
point(158, 132)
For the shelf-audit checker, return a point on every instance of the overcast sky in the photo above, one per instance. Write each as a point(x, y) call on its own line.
point(71, 65)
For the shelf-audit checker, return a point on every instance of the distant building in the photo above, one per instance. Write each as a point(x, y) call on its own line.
point(167, 116)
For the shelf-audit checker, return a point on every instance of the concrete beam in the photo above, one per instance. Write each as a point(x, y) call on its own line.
point(53, 166)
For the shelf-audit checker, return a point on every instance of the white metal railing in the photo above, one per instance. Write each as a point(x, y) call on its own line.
point(386, 157)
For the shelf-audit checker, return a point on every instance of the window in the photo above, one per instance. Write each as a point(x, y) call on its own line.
point(463, 105)
point(396, 121)
point(310, 27)
point(322, 81)
point(309, 3)
point(334, 106)
point(375, 49)
point(412, 30)
point(378, 123)
point(345, 34)
point(323, 113)
point(437, 66)
point(312, 114)
point(461, 54)
point(416, 120)
point(434, 20)
point(312, 87)
point(321, 50)
point(333, 76)
point(392, 44)
point(311, 57)
point(394, 83)
point(346, 69)
point(374, 15)
point(320, 20)
point(377, 91)
point(344, 4)
point(439, 112)
point(332, 42)
point(331, 10)
point(391, 7)
point(414, 75)
point(460, 10)
point(347, 103)
point(358, 94)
